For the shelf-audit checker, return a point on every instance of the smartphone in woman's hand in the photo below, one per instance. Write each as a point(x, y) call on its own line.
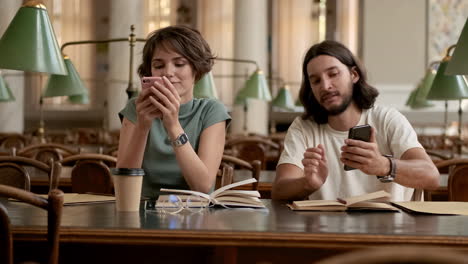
point(147, 82)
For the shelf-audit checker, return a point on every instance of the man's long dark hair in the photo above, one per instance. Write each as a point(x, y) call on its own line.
point(364, 95)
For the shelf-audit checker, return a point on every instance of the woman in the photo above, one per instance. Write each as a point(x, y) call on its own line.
point(176, 139)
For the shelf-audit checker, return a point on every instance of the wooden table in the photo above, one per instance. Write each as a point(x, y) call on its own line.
point(97, 234)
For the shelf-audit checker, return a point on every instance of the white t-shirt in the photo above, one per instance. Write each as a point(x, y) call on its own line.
point(394, 135)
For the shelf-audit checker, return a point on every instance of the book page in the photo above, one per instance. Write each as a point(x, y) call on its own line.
point(232, 185)
point(204, 195)
point(453, 208)
point(366, 197)
point(312, 203)
point(79, 198)
point(372, 206)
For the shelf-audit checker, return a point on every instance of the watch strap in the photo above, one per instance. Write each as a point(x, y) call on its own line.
point(391, 174)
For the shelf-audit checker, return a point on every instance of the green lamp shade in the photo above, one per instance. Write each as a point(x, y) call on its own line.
point(447, 87)
point(420, 93)
point(256, 87)
point(5, 93)
point(410, 99)
point(205, 87)
point(29, 43)
point(65, 85)
point(298, 102)
point(458, 65)
point(79, 99)
point(284, 99)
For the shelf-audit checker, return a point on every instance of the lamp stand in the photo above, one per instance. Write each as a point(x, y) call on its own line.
point(131, 39)
point(41, 128)
point(460, 126)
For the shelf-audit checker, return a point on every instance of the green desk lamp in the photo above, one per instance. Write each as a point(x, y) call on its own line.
point(256, 87)
point(459, 63)
point(449, 87)
point(205, 87)
point(284, 99)
point(418, 98)
point(5, 93)
point(65, 85)
point(29, 43)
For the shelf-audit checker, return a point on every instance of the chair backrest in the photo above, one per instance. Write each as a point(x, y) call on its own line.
point(398, 254)
point(30, 166)
point(12, 174)
point(458, 183)
point(43, 152)
point(53, 205)
point(13, 141)
point(457, 179)
point(251, 148)
point(254, 167)
point(224, 176)
point(91, 173)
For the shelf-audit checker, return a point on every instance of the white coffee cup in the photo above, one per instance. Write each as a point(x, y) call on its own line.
point(127, 186)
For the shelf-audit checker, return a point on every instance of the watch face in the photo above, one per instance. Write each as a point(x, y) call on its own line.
point(183, 138)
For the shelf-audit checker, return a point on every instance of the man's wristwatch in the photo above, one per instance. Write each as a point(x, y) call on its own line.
point(180, 140)
point(391, 175)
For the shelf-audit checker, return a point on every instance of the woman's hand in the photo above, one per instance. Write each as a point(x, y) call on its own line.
point(146, 111)
point(167, 100)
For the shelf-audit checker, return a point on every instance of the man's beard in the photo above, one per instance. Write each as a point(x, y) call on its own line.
point(342, 107)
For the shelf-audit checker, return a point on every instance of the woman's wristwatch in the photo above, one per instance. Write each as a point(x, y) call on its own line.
point(391, 174)
point(180, 140)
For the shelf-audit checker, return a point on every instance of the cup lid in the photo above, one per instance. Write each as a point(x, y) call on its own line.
point(128, 171)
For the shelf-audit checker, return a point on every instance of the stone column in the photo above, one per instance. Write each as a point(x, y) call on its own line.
point(250, 42)
point(11, 113)
point(123, 14)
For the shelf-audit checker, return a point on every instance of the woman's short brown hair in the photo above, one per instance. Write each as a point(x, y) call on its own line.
point(186, 41)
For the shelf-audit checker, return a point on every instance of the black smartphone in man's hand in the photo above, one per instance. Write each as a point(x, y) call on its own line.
point(359, 133)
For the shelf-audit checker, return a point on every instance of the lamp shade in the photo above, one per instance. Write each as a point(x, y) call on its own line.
point(284, 99)
point(410, 99)
point(458, 65)
point(65, 85)
point(5, 93)
point(205, 87)
point(29, 43)
point(79, 99)
point(447, 87)
point(420, 93)
point(256, 87)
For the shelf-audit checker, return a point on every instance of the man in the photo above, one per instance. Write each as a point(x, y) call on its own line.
point(336, 97)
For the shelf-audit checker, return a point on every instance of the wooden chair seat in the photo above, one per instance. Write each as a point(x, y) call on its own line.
point(53, 205)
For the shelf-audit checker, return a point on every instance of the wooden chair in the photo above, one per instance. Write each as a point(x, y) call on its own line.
point(91, 173)
point(30, 167)
point(13, 140)
point(12, 174)
point(224, 176)
point(457, 179)
point(252, 148)
point(254, 167)
point(53, 205)
point(398, 254)
point(44, 152)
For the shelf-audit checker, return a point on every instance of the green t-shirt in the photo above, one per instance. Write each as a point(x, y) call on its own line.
point(159, 161)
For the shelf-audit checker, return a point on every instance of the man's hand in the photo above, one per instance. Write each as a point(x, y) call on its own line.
point(365, 156)
point(315, 167)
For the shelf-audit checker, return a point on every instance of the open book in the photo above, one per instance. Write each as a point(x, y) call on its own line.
point(370, 201)
point(445, 208)
point(223, 196)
